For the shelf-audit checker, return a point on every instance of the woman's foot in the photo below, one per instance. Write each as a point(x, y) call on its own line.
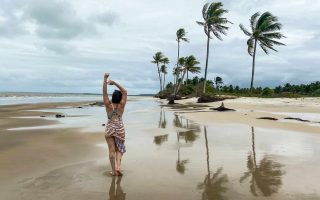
point(119, 173)
point(113, 173)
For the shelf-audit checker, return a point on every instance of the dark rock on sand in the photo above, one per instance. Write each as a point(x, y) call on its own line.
point(59, 115)
point(206, 99)
point(268, 118)
point(298, 119)
point(98, 103)
point(42, 116)
point(79, 107)
point(103, 124)
point(172, 98)
point(222, 108)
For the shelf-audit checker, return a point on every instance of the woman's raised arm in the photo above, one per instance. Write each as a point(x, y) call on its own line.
point(106, 100)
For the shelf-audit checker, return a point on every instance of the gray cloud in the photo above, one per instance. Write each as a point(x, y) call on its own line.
point(66, 46)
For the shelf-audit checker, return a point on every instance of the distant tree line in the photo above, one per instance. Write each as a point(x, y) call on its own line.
point(193, 87)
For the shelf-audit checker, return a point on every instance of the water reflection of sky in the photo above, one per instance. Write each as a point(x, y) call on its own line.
point(170, 157)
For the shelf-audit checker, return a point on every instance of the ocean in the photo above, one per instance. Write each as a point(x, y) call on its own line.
point(11, 98)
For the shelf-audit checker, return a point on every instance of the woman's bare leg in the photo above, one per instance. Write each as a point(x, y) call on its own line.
point(112, 154)
point(118, 160)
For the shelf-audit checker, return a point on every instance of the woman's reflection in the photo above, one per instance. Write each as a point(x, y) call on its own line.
point(115, 191)
point(265, 176)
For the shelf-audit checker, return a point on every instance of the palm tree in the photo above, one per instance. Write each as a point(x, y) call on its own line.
point(265, 31)
point(179, 69)
point(163, 70)
point(181, 36)
point(157, 59)
point(193, 70)
point(213, 23)
point(218, 80)
point(190, 63)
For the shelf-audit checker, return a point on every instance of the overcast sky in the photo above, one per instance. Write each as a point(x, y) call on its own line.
point(66, 46)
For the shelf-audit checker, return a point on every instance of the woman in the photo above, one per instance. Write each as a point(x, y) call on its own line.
point(115, 133)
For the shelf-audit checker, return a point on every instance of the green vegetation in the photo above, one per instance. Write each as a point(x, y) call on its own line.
point(265, 30)
point(193, 88)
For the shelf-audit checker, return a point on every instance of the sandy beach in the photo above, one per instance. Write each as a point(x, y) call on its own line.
point(182, 152)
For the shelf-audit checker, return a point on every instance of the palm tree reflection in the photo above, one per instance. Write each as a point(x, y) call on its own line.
point(162, 124)
point(115, 191)
point(265, 176)
point(189, 134)
point(160, 139)
point(162, 120)
point(213, 185)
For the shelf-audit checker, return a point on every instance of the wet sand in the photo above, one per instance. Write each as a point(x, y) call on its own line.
point(171, 154)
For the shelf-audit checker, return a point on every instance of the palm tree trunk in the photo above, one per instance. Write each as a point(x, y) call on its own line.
point(159, 76)
point(253, 148)
point(177, 76)
point(207, 148)
point(253, 64)
point(179, 85)
point(164, 81)
point(206, 69)
point(187, 78)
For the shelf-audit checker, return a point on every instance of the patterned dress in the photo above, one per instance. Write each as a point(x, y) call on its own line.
point(115, 128)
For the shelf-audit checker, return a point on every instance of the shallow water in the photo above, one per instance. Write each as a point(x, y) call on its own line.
point(170, 157)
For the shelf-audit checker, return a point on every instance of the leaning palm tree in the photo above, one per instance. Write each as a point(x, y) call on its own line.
point(214, 23)
point(191, 63)
point(157, 59)
point(179, 69)
point(265, 31)
point(181, 36)
point(163, 70)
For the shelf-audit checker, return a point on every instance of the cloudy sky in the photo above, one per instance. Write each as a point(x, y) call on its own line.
point(67, 45)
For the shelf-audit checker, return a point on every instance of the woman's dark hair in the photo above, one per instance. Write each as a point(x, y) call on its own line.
point(116, 96)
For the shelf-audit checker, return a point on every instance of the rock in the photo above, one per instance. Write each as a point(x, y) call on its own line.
point(79, 107)
point(222, 108)
point(98, 103)
point(268, 118)
point(171, 99)
point(59, 115)
point(103, 124)
point(207, 98)
point(298, 119)
point(42, 116)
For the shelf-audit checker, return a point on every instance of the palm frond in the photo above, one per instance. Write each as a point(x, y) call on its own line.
point(265, 48)
point(216, 33)
point(263, 18)
point(253, 21)
point(200, 23)
point(204, 11)
point(244, 30)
